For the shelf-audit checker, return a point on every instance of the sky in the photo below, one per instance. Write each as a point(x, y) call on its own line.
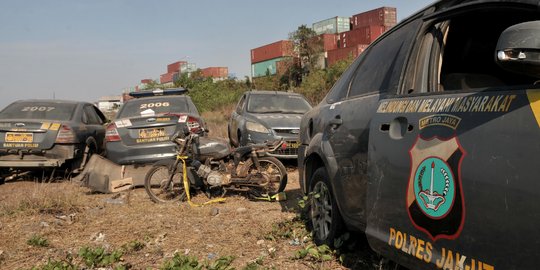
point(86, 49)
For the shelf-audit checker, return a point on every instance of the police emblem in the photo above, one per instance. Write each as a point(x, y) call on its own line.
point(435, 200)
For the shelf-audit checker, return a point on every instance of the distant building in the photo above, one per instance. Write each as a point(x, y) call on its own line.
point(109, 103)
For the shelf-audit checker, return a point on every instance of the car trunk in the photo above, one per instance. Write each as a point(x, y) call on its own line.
point(27, 134)
point(150, 129)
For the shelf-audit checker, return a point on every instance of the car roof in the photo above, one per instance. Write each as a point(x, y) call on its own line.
point(59, 101)
point(271, 92)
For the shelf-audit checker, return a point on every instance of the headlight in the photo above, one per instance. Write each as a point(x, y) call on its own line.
point(253, 126)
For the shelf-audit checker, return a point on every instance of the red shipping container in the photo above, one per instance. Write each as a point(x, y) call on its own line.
point(343, 53)
point(383, 16)
point(167, 77)
point(146, 81)
point(329, 41)
point(362, 35)
point(175, 67)
point(273, 50)
point(215, 72)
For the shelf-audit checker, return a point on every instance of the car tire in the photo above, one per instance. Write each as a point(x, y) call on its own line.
point(324, 217)
point(231, 141)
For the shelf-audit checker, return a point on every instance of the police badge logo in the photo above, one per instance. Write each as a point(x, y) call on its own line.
point(435, 200)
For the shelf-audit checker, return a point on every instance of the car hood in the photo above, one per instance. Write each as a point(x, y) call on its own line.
point(278, 120)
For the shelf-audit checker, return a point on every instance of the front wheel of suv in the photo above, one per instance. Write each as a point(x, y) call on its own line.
point(324, 214)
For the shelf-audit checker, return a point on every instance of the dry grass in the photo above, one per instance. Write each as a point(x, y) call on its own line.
point(42, 198)
point(217, 120)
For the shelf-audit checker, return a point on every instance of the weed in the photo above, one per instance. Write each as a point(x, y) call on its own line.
point(289, 229)
point(317, 253)
point(37, 241)
point(98, 257)
point(57, 265)
point(184, 262)
point(134, 245)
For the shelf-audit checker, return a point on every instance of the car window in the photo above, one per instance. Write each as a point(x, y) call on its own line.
point(39, 110)
point(153, 106)
point(462, 56)
point(91, 115)
point(240, 106)
point(382, 65)
point(340, 89)
point(277, 104)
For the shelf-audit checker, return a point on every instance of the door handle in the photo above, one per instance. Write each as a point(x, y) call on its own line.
point(397, 128)
point(335, 123)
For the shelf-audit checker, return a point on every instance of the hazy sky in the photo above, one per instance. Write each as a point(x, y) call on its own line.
point(85, 49)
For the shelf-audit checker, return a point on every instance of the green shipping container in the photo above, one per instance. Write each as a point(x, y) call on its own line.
point(260, 69)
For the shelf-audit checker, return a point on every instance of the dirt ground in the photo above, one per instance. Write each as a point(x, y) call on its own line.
point(259, 234)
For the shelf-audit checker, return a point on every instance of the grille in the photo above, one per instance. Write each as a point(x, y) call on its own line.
point(286, 130)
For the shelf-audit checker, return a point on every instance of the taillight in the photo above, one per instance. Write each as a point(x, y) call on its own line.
point(193, 124)
point(65, 135)
point(111, 134)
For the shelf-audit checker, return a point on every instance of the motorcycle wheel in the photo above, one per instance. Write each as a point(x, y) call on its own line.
point(275, 170)
point(161, 188)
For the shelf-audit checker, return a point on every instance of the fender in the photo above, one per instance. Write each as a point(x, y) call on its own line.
point(317, 148)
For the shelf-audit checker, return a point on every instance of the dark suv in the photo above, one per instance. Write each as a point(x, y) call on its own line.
point(143, 126)
point(428, 143)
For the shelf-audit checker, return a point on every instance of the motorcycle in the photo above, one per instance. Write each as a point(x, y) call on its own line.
point(211, 166)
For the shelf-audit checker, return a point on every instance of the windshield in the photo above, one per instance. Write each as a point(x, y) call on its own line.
point(153, 106)
point(271, 103)
point(39, 110)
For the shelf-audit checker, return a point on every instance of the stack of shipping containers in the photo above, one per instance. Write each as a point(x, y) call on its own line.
point(365, 28)
point(265, 59)
point(173, 71)
point(217, 73)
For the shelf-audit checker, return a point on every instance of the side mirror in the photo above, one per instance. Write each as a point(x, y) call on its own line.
point(518, 49)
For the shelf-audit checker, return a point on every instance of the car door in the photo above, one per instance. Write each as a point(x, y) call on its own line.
point(349, 119)
point(452, 159)
point(94, 120)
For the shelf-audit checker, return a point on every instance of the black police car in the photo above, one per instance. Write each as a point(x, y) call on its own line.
point(429, 142)
point(143, 126)
point(55, 135)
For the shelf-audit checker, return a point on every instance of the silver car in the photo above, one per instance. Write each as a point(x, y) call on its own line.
point(262, 116)
point(143, 126)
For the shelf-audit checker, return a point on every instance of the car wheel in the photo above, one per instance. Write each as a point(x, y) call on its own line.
point(231, 141)
point(324, 215)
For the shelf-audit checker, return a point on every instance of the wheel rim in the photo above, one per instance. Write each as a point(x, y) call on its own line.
point(271, 169)
point(321, 210)
point(164, 190)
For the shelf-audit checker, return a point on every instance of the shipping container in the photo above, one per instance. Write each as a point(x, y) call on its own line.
point(147, 81)
point(268, 67)
point(167, 77)
point(273, 50)
point(175, 67)
point(361, 35)
point(188, 67)
point(336, 55)
point(383, 16)
point(215, 72)
point(285, 63)
point(333, 25)
point(329, 41)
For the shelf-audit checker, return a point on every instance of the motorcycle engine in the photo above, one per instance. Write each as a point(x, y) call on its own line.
point(215, 178)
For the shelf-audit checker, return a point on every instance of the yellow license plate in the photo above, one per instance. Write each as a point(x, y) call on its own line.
point(293, 144)
point(151, 133)
point(19, 137)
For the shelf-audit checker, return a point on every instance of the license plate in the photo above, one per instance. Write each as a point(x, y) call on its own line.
point(151, 133)
point(293, 144)
point(19, 137)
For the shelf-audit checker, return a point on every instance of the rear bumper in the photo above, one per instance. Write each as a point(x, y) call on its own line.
point(121, 154)
point(33, 158)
